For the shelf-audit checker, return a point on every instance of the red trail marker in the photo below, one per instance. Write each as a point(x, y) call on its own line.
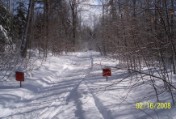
point(20, 77)
point(106, 72)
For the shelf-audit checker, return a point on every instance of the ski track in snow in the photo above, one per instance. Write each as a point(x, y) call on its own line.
point(67, 87)
point(102, 109)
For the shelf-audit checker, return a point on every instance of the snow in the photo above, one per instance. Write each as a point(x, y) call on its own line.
point(67, 87)
point(3, 33)
point(6, 41)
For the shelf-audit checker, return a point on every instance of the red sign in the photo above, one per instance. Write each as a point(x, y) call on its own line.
point(106, 72)
point(20, 76)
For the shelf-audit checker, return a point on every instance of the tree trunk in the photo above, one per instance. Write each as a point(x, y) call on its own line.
point(26, 37)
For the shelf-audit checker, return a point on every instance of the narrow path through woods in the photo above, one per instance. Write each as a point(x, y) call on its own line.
point(68, 87)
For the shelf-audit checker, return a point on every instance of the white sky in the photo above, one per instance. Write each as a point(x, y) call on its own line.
point(90, 13)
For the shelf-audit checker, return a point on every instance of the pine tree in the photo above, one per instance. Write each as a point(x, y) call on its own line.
point(5, 22)
point(20, 20)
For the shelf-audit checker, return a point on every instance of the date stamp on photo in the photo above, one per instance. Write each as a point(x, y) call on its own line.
point(153, 105)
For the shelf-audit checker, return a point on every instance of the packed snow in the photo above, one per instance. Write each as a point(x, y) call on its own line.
point(71, 87)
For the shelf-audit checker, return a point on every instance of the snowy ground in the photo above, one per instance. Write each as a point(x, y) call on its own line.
point(67, 87)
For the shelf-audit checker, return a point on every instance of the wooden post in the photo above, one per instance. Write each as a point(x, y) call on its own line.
point(20, 77)
point(106, 73)
point(20, 84)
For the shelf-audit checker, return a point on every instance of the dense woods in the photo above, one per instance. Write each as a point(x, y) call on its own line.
point(139, 33)
point(48, 26)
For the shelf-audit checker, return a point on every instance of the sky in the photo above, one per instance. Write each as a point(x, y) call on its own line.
point(90, 12)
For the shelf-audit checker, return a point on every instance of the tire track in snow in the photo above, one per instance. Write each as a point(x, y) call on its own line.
point(52, 110)
point(106, 114)
point(75, 95)
point(102, 109)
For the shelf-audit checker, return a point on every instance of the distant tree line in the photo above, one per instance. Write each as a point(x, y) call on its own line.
point(47, 25)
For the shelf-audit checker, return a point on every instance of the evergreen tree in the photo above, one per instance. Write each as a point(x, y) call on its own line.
point(5, 22)
point(20, 20)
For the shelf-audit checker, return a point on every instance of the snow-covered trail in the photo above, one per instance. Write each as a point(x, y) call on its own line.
point(67, 87)
point(50, 92)
point(47, 93)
